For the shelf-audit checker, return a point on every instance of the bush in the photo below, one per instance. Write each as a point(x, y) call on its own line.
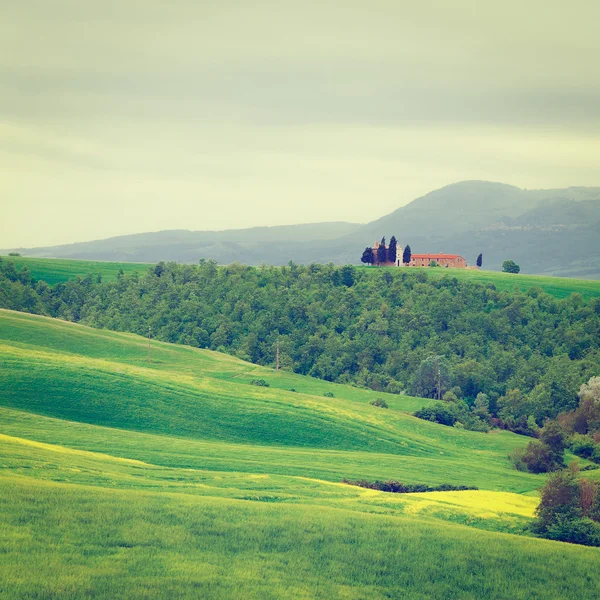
point(379, 402)
point(259, 382)
point(510, 266)
point(575, 531)
point(582, 445)
point(328, 395)
point(292, 389)
point(445, 413)
point(516, 458)
point(398, 487)
point(539, 458)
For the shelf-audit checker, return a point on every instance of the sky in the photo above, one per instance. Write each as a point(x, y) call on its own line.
point(127, 116)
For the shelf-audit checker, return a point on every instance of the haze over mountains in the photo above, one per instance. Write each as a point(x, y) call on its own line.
point(553, 232)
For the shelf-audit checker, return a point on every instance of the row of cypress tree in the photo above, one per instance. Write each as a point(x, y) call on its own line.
point(385, 254)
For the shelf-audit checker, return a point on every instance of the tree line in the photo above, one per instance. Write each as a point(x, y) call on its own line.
point(509, 359)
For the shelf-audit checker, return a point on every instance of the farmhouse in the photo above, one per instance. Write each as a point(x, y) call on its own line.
point(455, 261)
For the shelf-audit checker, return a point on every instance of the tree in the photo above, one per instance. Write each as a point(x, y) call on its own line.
point(433, 378)
point(480, 260)
point(391, 253)
point(406, 255)
point(554, 437)
point(382, 252)
point(368, 256)
point(510, 266)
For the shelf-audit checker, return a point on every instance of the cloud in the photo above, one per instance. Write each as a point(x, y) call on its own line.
point(283, 111)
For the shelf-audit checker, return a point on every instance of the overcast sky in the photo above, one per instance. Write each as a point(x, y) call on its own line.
point(128, 116)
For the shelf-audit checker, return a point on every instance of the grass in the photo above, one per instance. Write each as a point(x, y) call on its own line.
point(56, 270)
point(177, 478)
point(559, 287)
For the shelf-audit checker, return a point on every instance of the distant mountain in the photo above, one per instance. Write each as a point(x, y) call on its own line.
point(553, 232)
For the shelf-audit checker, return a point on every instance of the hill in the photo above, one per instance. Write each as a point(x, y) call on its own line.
point(178, 477)
point(526, 352)
point(62, 269)
point(552, 232)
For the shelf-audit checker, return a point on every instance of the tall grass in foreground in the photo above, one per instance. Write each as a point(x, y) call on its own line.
point(61, 541)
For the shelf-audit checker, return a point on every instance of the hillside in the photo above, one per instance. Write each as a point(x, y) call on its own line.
point(62, 269)
point(176, 476)
point(552, 232)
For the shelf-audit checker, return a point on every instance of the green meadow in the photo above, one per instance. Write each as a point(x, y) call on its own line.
point(176, 477)
point(559, 287)
point(55, 270)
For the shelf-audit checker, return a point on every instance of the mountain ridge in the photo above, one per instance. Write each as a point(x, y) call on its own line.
point(500, 220)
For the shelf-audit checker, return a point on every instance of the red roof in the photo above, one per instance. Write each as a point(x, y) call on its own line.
point(434, 256)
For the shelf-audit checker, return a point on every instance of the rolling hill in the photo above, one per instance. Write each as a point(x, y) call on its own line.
point(176, 476)
point(552, 232)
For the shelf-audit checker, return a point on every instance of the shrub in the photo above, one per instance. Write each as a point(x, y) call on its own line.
point(445, 413)
point(516, 458)
point(328, 395)
point(292, 389)
point(575, 531)
point(582, 445)
point(398, 487)
point(510, 266)
point(379, 402)
point(539, 458)
point(259, 382)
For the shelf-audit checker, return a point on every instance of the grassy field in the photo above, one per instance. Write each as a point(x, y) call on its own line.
point(55, 270)
point(559, 287)
point(178, 478)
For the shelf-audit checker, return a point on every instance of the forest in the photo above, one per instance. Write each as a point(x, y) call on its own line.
point(525, 353)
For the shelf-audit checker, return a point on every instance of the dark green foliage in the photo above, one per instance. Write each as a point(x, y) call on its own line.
point(433, 378)
point(391, 253)
point(14, 254)
point(568, 509)
point(259, 383)
point(510, 266)
point(379, 402)
point(445, 413)
point(406, 254)
point(398, 487)
point(554, 437)
point(480, 260)
point(382, 252)
point(329, 395)
point(536, 458)
point(528, 353)
point(368, 256)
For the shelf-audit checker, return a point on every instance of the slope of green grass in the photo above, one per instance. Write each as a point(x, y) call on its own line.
point(55, 270)
point(123, 478)
point(559, 287)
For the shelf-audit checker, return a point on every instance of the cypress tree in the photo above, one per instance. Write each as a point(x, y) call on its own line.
point(382, 252)
point(391, 253)
point(480, 260)
point(368, 257)
point(407, 254)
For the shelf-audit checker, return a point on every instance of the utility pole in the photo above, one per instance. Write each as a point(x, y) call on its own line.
point(277, 356)
point(149, 332)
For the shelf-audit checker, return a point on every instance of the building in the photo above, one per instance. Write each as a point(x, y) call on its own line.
point(388, 263)
point(454, 261)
